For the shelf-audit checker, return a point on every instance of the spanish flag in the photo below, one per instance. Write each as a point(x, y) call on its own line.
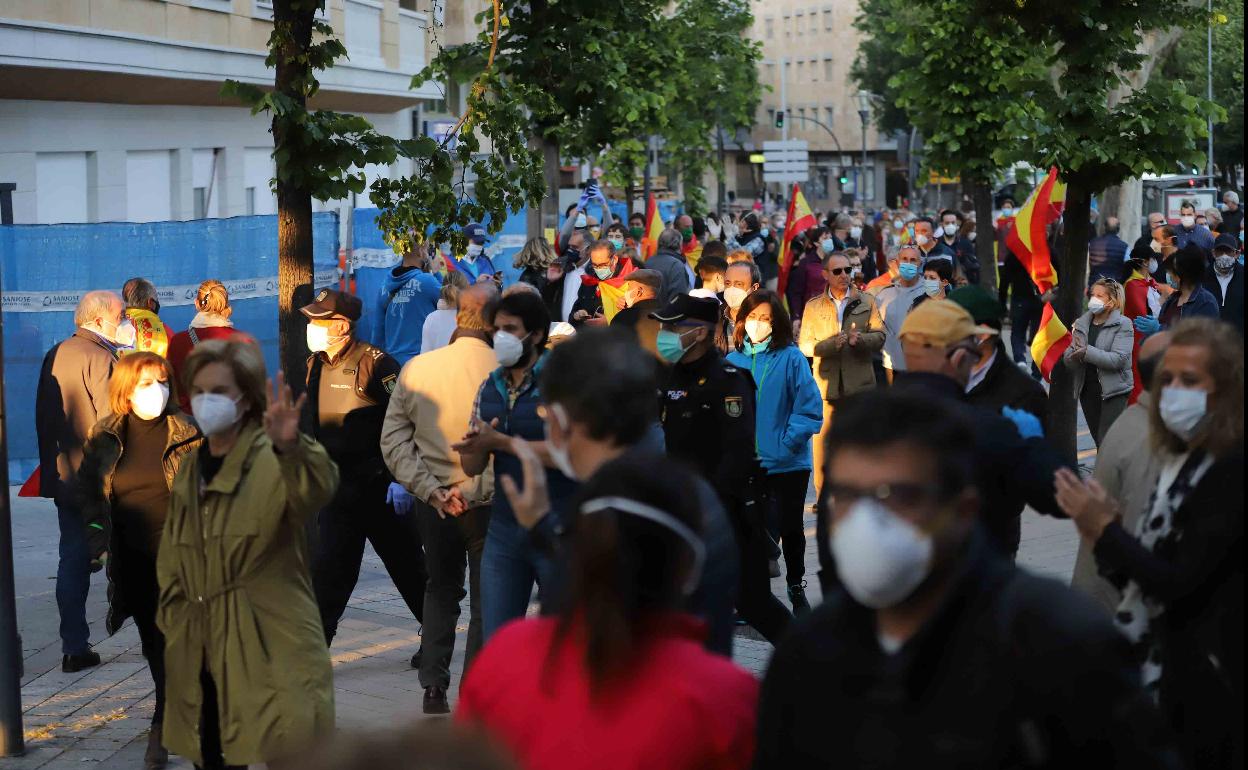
point(612, 299)
point(1028, 239)
point(799, 219)
point(654, 226)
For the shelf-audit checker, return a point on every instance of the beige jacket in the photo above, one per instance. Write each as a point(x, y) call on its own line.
point(842, 370)
point(1127, 467)
point(429, 410)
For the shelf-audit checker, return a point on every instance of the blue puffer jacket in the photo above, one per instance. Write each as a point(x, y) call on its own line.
point(519, 420)
point(790, 408)
point(406, 299)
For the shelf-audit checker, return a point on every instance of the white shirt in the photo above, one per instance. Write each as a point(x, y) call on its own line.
point(978, 375)
point(438, 328)
point(840, 306)
point(1224, 281)
point(571, 287)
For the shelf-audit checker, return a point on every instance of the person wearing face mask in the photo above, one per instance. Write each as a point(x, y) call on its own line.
point(349, 383)
point(604, 266)
point(1185, 272)
point(246, 663)
point(965, 260)
point(475, 263)
point(937, 275)
point(507, 407)
point(72, 396)
point(1142, 300)
point(122, 488)
point(636, 230)
point(740, 280)
point(619, 668)
point(841, 330)
point(894, 301)
point(432, 404)
point(617, 236)
point(1181, 572)
point(994, 381)
point(576, 219)
point(706, 406)
point(807, 279)
point(1191, 231)
point(930, 245)
point(934, 650)
point(789, 412)
point(1099, 357)
point(142, 308)
point(691, 238)
point(1226, 281)
point(563, 277)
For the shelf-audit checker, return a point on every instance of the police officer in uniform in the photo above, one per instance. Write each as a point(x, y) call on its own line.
point(707, 409)
point(349, 387)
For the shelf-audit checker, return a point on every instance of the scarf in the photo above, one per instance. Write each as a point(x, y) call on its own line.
point(204, 320)
point(1137, 611)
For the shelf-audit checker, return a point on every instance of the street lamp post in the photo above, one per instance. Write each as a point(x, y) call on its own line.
point(864, 112)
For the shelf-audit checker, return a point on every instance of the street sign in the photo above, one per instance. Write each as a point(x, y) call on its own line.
point(1203, 198)
point(786, 161)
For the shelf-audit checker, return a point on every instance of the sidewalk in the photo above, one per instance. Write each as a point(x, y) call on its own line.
point(99, 717)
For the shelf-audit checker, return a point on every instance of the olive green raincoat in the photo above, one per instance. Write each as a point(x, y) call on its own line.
point(236, 600)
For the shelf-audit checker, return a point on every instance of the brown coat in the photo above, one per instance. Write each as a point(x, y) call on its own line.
point(72, 397)
point(841, 369)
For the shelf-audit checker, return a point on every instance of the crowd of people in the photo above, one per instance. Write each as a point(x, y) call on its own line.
point(629, 434)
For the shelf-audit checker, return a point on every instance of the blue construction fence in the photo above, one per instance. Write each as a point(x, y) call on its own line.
point(47, 268)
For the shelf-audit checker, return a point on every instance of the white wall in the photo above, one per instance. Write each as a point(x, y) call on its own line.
point(257, 171)
point(60, 187)
point(149, 186)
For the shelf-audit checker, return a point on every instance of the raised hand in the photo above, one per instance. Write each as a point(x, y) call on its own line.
point(281, 419)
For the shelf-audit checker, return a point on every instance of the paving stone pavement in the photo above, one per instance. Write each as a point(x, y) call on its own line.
point(100, 717)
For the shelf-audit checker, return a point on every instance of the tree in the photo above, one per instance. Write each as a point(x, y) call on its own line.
point(960, 89)
point(321, 154)
point(1068, 121)
point(878, 60)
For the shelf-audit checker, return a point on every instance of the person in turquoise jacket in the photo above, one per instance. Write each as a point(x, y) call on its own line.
point(789, 412)
point(407, 297)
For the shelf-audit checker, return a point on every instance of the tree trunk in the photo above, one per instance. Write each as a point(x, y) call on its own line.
point(294, 203)
point(1072, 273)
point(630, 194)
point(985, 234)
point(1125, 201)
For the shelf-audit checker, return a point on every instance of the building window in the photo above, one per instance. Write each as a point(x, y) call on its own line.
point(251, 201)
point(829, 113)
point(827, 19)
point(771, 116)
point(800, 22)
point(827, 70)
point(770, 25)
point(201, 203)
point(788, 25)
point(801, 71)
point(408, 5)
point(771, 73)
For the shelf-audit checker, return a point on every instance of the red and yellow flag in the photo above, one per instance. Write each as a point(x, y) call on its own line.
point(612, 299)
point(799, 219)
point(654, 226)
point(1028, 240)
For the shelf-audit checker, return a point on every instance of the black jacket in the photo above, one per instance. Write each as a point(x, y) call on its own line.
point(1013, 670)
point(1006, 385)
point(1233, 308)
point(1198, 574)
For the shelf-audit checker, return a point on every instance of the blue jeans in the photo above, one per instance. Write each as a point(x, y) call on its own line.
point(73, 579)
point(509, 567)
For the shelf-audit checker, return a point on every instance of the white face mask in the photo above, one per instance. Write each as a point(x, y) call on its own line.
point(921, 239)
point(1155, 245)
point(931, 286)
point(734, 296)
point(559, 455)
point(1182, 410)
point(1152, 264)
point(581, 221)
point(508, 348)
point(215, 412)
point(950, 229)
point(757, 330)
point(1096, 305)
point(971, 235)
point(855, 232)
point(473, 251)
point(880, 557)
point(1188, 221)
point(319, 340)
point(148, 401)
point(898, 224)
point(123, 333)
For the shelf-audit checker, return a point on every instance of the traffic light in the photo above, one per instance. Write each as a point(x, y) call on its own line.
point(779, 118)
point(844, 180)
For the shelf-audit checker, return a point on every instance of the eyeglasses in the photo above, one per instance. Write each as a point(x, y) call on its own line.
point(903, 497)
point(839, 270)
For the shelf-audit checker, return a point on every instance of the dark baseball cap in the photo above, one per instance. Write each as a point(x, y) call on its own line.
point(331, 303)
point(686, 308)
point(984, 307)
point(1226, 241)
point(476, 233)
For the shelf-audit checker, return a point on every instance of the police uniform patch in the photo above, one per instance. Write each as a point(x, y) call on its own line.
point(321, 297)
point(389, 382)
point(733, 406)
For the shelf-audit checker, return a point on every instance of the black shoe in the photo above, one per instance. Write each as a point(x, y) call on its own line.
point(71, 664)
point(773, 568)
point(435, 701)
point(156, 756)
point(797, 597)
point(416, 657)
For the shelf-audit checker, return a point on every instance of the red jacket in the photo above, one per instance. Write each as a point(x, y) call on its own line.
point(1136, 290)
point(180, 346)
point(677, 707)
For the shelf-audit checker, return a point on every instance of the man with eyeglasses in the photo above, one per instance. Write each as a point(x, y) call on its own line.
point(842, 330)
point(935, 651)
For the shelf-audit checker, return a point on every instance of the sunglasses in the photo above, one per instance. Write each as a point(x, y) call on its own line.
point(840, 270)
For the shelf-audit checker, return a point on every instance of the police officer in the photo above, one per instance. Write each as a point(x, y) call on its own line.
point(349, 386)
point(706, 406)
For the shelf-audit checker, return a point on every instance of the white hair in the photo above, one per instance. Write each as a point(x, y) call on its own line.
point(96, 304)
point(1231, 197)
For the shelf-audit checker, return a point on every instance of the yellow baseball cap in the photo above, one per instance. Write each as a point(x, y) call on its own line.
point(941, 322)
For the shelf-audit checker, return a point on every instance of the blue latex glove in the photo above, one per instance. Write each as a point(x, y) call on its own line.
point(400, 498)
point(1146, 324)
point(1027, 423)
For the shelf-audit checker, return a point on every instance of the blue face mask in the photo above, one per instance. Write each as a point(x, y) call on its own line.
point(603, 273)
point(828, 245)
point(908, 271)
point(764, 232)
point(1172, 279)
point(670, 346)
point(617, 243)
